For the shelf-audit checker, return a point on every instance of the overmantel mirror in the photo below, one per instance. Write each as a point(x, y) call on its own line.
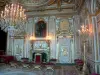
point(40, 29)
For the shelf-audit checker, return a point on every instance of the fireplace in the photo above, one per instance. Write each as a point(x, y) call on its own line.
point(41, 50)
point(39, 57)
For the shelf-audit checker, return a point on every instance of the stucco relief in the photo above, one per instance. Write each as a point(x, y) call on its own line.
point(64, 26)
point(64, 50)
point(18, 49)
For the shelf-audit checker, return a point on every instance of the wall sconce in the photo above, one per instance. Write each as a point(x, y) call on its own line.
point(48, 37)
point(32, 38)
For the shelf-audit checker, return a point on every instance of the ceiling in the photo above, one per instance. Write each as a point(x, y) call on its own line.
point(3, 3)
point(46, 7)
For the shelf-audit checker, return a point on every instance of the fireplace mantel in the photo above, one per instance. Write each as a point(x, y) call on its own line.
point(40, 46)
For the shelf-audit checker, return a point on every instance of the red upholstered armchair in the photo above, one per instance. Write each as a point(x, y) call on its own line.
point(5, 58)
point(79, 63)
point(9, 59)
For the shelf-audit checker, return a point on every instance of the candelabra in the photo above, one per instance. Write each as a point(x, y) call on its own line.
point(84, 31)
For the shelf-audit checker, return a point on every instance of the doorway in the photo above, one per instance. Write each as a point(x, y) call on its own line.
point(65, 50)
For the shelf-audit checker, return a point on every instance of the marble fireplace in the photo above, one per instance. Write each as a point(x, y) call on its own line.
point(40, 50)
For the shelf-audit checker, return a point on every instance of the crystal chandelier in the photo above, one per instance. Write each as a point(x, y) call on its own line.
point(12, 15)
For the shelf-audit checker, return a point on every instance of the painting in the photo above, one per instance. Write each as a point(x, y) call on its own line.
point(40, 29)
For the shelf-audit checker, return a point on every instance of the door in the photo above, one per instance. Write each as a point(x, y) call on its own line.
point(64, 50)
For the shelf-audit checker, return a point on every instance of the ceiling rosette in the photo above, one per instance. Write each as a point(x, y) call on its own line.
point(35, 3)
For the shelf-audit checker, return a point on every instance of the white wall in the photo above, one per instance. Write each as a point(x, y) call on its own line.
point(26, 42)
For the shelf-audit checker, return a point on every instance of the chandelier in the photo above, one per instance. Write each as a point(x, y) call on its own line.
point(13, 19)
point(12, 15)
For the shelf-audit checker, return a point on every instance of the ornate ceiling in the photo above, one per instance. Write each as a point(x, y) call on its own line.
point(3, 3)
point(34, 3)
point(46, 7)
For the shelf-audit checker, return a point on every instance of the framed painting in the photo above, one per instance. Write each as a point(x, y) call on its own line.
point(40, 29)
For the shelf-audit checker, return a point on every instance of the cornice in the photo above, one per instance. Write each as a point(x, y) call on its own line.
point(51, 14)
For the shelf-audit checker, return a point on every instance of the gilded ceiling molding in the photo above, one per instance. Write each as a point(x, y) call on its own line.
point(98, 7)
point(51, 2)
point(59, 4)
point(34, 3)
point(79, 4)
point(3, 3)
point(98, 4)
point(68, 1)
point(97, 12)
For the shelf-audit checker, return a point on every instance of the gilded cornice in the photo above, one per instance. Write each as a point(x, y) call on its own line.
point(97, 12)
point(59, 4)
point(3, 3)
point(69, 1)
point(51, 2)
point(97, 6)
point(79, 4)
